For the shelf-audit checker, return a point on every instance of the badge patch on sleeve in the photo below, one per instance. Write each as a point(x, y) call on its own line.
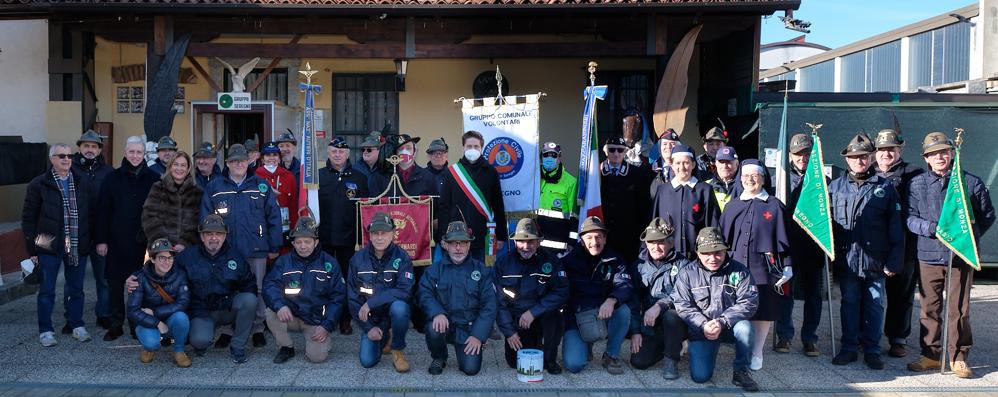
point(734, 278)
point(396, 262)
point(407, 275)
point(329, 267)
point(232, 265)
point(476, 275)
point(562, 274)
point(546, 268)
point(263, 187)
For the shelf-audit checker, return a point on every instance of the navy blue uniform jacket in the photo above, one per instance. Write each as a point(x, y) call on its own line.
point(214, 279)
point(379, 283)
point(311, 287)
point(538, 284)
point(464, 292)
point(174, 283)
point(593, 279)
point(250, 211)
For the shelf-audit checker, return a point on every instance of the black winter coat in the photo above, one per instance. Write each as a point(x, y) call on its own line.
point(119, 218)
point(95, 171)
point(625, 206)
point(42, 214)
point(174, 283)
point(171, 211)
point(337, 210)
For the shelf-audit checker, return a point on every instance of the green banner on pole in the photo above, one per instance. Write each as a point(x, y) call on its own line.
point(812, 212)
point(955, 228)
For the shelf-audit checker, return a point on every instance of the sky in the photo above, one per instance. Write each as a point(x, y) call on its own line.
point(835, 23)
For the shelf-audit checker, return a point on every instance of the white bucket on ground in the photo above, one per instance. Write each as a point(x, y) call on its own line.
point(530, 365)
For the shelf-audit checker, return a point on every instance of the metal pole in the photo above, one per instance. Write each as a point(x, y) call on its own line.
point(831, 318)
point(944, 355)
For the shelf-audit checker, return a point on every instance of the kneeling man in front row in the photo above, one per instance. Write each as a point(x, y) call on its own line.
point(715, 296)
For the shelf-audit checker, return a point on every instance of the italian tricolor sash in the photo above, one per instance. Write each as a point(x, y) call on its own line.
point(477, 198)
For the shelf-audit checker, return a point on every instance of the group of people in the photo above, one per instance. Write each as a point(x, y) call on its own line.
point(688, 248)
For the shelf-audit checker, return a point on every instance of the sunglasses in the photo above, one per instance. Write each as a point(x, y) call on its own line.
point(551, 155)
point(616, 150)
point(369, 149)
point(63, 156)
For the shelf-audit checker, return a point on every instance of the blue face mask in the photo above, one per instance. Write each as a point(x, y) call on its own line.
point(549, 163)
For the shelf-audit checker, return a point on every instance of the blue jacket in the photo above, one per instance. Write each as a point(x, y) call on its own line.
point(174, 284)
point(379, 283)
point(336, 207)
point(294, 167)
point(592, 280)
point(701, 295)
point(214, 279)
point(250, 211)
point(464, 292)
point(311, 287)
point(538, 284)
point(216, 172)
point(868, 227)
point(928, 191)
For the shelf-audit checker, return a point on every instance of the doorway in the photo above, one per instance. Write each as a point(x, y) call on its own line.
point(240, 127)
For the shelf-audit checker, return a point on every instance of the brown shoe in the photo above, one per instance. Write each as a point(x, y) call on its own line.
point(924, 364)
point(399, 361)
point(387, 348)
point(961, 370)
point(897, 350)
point(146, 356)
point(181, 359)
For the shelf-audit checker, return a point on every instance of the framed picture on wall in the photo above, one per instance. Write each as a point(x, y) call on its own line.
point(137, 106)
point(181, 93)
point(124, 106)
point(137, 92)
point(124, 92)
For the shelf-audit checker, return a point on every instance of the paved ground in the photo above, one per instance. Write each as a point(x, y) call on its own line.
point(99, 368)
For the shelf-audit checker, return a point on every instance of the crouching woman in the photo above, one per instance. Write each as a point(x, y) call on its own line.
point(157, 305)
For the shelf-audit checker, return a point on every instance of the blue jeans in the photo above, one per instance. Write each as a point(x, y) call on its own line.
point(370, 351)
point(809, 282)
point(437, 342)
point(575, 351)
point(862, 312)
point(72, 291)
point(703, 352)
point(179, 326)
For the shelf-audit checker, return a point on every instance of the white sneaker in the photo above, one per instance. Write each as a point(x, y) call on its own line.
point(81, 334)
point(756, 363)
point(47, 339)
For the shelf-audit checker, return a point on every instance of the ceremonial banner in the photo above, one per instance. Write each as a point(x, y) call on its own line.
point(591, 204)
point(412, 227)
point(511, 140)
point(812, 212)
point(954, 228)
point(308, 183)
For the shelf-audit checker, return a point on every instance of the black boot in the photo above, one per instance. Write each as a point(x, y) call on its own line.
point(284, 354)
point(741, 378)
point(844, 358)
point(259, 340)
point(113, 334)
point(437, 367)
point(223, 341)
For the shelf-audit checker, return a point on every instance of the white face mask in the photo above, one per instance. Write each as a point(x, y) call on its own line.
point(270, 168)
point(472, 155)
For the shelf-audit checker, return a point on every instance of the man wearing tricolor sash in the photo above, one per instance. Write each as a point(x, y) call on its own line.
point(928, 193)
point(471, 193)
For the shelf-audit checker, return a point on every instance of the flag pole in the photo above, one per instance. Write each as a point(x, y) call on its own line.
point(831, 318)
point(944, 354)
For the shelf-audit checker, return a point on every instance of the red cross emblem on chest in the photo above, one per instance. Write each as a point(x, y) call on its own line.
point(767, 215)
point(696, 207)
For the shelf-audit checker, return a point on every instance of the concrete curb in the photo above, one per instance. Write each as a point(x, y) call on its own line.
point(13, 288)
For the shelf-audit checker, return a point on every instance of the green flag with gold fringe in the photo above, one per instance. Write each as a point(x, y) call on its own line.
point(955, 227)
point(812, 211)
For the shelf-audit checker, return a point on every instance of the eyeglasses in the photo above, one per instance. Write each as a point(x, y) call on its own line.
point(550, 154)
point(438, 153)
point(164, 258)
point(369, 149)
point(63, 156)
point(616, 150)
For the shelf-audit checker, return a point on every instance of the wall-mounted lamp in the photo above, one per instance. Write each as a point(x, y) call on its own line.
point(401, 66)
